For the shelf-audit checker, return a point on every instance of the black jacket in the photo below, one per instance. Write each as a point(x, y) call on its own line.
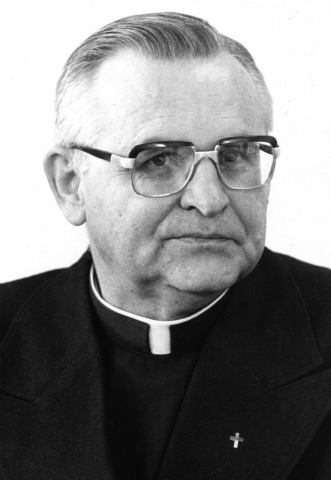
point(263, 372)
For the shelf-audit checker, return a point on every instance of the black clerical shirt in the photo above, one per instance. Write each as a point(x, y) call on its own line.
point(144, 391)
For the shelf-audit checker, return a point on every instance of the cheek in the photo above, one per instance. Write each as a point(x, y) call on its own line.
point(122, 221)
point(104, 209)
point(251, 209)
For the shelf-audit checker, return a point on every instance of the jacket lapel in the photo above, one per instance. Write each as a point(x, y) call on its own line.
point(49, 331)
point(53, 412)
point(257, 376)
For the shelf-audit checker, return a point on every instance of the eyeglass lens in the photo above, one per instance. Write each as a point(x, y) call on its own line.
point(165, 170)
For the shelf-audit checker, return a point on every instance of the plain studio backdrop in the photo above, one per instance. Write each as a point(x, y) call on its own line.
point(290, 41)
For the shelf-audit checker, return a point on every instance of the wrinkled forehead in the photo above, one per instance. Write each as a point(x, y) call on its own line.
point(134, 93)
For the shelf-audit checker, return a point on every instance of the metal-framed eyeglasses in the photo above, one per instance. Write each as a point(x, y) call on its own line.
point(161, 169)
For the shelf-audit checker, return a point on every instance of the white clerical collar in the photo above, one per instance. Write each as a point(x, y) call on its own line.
point(159, 331)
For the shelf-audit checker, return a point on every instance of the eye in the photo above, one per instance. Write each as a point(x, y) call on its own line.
point(231, 155)
point(239, 153)
point(159, 160)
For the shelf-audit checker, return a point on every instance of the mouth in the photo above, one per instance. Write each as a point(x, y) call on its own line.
point(201, 238)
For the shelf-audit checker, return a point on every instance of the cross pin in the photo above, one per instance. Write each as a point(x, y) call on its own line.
point(236, 439)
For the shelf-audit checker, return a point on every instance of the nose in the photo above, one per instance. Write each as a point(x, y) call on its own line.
point(205, 192)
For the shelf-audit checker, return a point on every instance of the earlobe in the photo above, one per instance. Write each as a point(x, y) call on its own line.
point(66, 187)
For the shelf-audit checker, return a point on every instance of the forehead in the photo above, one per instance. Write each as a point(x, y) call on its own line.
point(140, 99)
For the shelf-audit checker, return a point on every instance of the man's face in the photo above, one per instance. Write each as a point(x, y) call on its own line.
point(204, 238)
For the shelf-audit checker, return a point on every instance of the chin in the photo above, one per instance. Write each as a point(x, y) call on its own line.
point(211, 272)
point(210, 279)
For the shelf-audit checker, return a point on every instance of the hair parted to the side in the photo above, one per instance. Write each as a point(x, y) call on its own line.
point(167, 36)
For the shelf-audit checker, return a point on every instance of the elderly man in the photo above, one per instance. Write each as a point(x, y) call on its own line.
point(178, 347)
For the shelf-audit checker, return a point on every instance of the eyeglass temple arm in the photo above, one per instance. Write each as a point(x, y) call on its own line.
point(121, 161)
point(109, 157)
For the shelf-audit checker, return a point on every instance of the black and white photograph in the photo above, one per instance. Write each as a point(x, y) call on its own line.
point(165, 282)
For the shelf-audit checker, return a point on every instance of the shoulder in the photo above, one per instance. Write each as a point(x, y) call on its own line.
point(306, 271)
point(16, 294)
point(314, 286)
point(314, 282)
point(13, 296)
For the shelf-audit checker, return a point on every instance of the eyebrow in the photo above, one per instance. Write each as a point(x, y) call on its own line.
point(158, 139)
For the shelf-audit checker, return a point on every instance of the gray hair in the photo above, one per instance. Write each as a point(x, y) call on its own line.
point(167, 36)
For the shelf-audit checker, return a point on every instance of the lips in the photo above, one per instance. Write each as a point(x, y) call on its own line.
point(202, 239)
point(202, 236)
point(217, 232)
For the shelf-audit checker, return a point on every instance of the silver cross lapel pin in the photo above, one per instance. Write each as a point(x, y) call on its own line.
point(236, 439)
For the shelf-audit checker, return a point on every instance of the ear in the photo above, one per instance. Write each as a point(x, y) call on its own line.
point(66, 186)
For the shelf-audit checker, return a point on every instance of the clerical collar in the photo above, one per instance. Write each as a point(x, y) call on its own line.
point(158, 337)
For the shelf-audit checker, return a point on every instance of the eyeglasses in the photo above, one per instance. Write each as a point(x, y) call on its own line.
point(164, 168)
